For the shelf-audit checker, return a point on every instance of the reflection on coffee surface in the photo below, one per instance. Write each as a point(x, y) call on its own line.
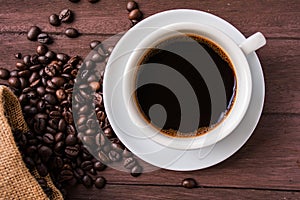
point(185, 85)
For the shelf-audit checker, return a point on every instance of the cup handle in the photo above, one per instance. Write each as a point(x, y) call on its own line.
point(252, 43)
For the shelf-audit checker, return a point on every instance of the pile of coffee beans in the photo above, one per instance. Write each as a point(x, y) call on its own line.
point(24, 140)
point(135, 14)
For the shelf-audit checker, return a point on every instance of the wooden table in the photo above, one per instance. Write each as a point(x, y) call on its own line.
point(267, 167)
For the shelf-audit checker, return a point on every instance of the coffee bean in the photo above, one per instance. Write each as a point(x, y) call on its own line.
point(41, 50)
point(100, 182)
point(135, 14)
point(42, 170)
point(136, 171)
point(50, 99)
point(94, 44)
point(62, 57)
point(59, 137)
point(95, 86)
point(27, 60)
point(126, 153)
point(55, 114)
point(60, 94)
point(68, 117)
point(44, 38)
point(34, 59)
point(114, 155)
point(58, 81)
point(86, 165)
point(45, 153)
point(33, 33)
point(54, 20)
point(21, 66)
point(66, 15)
point(34, 76)
point(36, 67)
point(96, 57)
point(14, 82)
point(129, 163)
point(71, 33)
point(48, 138)
point(87, 181)
point(100, 140)
point(71, 130)
point(99, 166)
point(108, 133)
point(4, 74)
point(71, 151)
point(50, 70)
point(103, 157)
point(50, 54)
point(29, 162)
point(43, 60)
point(66, 174)
point(58, 146)
point(131, 5)
point(93, 1)
point(18, 55)
point(189, 183)
point(61, 125)
point(71, 140)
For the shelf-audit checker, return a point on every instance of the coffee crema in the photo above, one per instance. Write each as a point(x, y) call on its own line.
point(185, 85)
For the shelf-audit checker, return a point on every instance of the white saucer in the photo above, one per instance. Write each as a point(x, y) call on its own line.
point(153, 152)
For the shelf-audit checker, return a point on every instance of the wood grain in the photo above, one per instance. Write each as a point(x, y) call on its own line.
point(133, 192)
point(275, 18)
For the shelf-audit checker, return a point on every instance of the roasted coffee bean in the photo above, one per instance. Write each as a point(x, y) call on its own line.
point(42, 169)
point(58, 148)
point(43, 59)
point(66, 174)
point(189, 183)
point(66, 15)
point(100, 182)
point(71, 130)
point(93, 1)
point(50, 70)
point(14, 73)
point(126, 153)
point(94, 44)
point(60, 94)
point(50, 99)
point(18, 55)
point(21, 66)
point(68, 117)
point(41, 90)
point(62, 57)
point(96, 57)
point(4, 74)
point(27, 60)
point(129, 163)
point(24, 73)
point(88, 140)
point(45, 153)
point(44, 38)
point(24, 83)
point(100, 139)
point(58, 81)
point(57, 162)
point(108, 133)
point(14, 82)
point(86, 165)
point(103, 157)
point(99, 166)
point(101, 116)
point(61, 125)
point(29, 162)
point(59, 137)
point(55, 114)
point(33, 33)
point(31, 150)
point(98, 99)
point(36, 67)
point(41, 50)
point(135, 14)
point(71, 151)
point(87, 181)
point(131, 5)
point(50, 54)
point(71, 140)
point(48, 138)
point(34, 59)
point(71, 32)
point(34, 76)
point(114, 155)
point(136, 171)
point(54, 20)
point(95, 86)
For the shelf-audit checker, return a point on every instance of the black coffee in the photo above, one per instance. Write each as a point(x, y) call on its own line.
point(185, 85)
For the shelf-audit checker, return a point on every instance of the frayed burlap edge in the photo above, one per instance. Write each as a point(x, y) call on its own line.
point(16, 182)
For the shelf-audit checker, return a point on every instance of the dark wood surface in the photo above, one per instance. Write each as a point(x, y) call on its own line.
point(266, 167)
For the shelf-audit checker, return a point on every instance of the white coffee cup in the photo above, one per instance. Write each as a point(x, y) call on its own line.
point(237, 54)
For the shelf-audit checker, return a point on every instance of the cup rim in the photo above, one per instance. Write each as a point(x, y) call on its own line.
point(242, 97)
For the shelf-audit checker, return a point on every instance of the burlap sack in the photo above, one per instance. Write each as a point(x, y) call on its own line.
point(16, 182)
